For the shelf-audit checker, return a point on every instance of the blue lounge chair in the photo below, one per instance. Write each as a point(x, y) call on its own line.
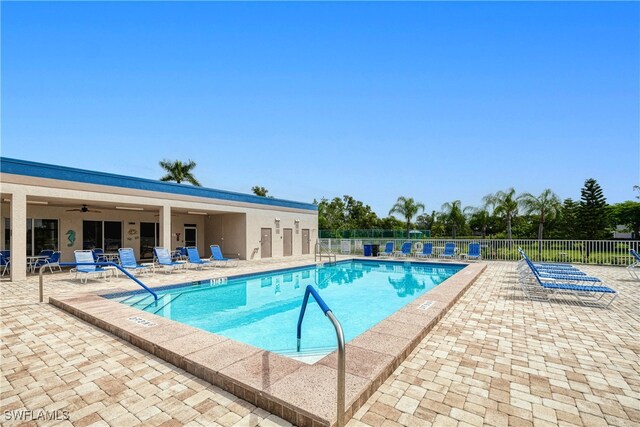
point(4, 263)
point(550, 272)
point(163, 258)
point(580, 291)
point(631, 268)
point(405, 250)
point(52, 261)
point(549, 268)
point(565, 277)
point(128, 261)
point(427, 251)
point(388, 250)
point(544, 275)
point(217, 257)
point(449, 250)
point(474, 251)
point(195, 260)
point(88, 270)
point(181, 254)
point(546, 265)
point(98, 255)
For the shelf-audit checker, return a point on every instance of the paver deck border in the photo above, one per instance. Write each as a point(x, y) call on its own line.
point(295, 391)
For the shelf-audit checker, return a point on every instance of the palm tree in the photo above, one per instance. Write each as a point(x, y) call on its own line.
point(259, 191)
point(178, 171)
point(408, 208)
point(546, 206)
point(454, 215)
point(482, 218)
point(505, 204)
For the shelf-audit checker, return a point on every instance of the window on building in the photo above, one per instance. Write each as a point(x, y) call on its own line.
point(106, 235)
point(41, 234)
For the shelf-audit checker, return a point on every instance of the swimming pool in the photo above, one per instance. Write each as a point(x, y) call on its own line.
point(262, 309)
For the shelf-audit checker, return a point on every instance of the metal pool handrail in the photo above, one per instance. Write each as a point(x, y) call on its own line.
point(310, 290)
point(98, 264)
point(319, 251)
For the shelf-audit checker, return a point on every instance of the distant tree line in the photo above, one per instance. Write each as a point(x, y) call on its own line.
point(504, 214)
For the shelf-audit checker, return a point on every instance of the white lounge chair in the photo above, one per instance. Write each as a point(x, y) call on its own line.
point(86, 270)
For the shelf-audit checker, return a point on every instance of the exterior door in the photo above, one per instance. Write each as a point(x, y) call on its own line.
point(190, 236)
point(149, 232)
point(287, 244)
point(305, 241)
point(265, 243)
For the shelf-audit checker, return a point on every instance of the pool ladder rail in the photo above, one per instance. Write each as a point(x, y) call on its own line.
point(310, 291)
point(321, 251)
point(164, 299)
point(95, 264)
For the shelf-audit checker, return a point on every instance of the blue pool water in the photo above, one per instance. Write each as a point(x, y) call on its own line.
point(262, 309)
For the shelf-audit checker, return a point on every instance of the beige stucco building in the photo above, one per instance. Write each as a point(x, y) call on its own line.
point(66, 209)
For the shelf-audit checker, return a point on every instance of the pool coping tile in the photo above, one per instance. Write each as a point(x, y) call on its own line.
point(295, 391)
point(261, 370)
point(361, 362)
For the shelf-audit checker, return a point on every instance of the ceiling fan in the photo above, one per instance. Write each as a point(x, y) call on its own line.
point(83, 209)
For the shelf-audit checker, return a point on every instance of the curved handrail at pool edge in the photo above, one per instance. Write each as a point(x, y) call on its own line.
point(97, 264)
point(310, 290)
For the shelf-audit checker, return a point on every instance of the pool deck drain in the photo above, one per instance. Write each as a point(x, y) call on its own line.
point(300, 393)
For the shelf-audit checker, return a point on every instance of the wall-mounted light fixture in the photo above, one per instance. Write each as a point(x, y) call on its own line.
point(277, 225)
point(197, 213)
point(129, 208)
point(37, 202)
point(297, 223)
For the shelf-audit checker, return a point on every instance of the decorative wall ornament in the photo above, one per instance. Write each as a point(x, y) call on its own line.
point(71, 235)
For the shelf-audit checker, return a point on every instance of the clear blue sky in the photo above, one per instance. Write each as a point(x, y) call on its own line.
point(435, 101)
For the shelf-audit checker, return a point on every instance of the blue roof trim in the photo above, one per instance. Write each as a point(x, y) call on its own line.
point(43, 170)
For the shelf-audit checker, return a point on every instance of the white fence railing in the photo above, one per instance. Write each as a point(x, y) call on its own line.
point(600, 252)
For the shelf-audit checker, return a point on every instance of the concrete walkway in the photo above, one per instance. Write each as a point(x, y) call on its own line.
point(494, 359)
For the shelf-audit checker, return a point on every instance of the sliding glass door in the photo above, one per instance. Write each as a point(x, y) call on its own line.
point(112, 236)
point(91, 234)
point(149, 232)
point(106, 235)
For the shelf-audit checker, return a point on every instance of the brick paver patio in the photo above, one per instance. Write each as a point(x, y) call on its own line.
point(494, 359)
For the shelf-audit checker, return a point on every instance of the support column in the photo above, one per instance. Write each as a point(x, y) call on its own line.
point(18, 236)
point(165, 226)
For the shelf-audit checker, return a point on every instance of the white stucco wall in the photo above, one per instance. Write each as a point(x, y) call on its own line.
point(235, 226)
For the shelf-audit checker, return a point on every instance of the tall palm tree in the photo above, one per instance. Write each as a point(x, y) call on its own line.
point(546, 206)
point(505, 204)
point(481, 217)
point(408, 208)
point(454, 215)
point(178, 171)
